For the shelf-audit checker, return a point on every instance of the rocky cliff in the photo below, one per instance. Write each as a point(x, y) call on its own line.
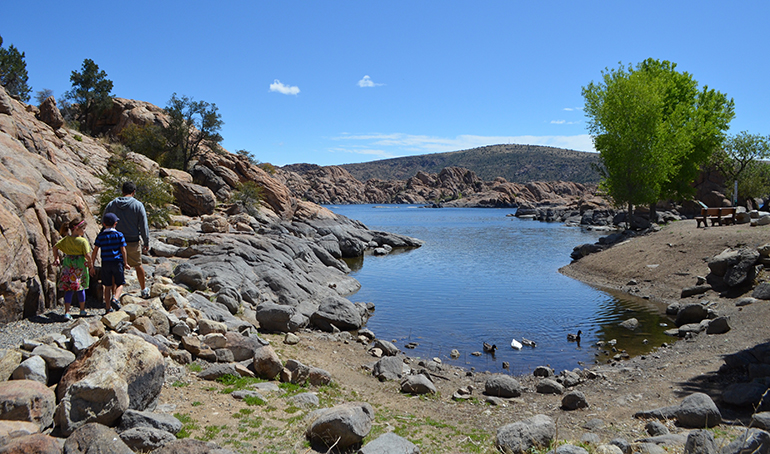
point(287, 254)
point(453, 186)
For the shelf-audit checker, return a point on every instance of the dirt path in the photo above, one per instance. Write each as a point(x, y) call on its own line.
point(661, 264)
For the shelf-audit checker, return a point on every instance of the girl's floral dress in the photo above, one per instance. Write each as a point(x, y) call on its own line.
point(73, 275)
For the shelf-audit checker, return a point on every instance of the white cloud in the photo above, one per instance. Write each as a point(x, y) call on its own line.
point(564, 122)
point(367, 82)
point(398, 144)
point(279, 87)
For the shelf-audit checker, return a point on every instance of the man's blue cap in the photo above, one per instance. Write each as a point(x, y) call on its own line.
point(109, 219)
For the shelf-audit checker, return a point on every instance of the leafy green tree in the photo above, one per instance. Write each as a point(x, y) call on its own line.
point(91, 92)
point(192, 124)
point(654, 129)
point(13, 72)
point(743, 159)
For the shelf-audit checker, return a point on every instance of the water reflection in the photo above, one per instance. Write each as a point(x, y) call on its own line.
point(484, 277)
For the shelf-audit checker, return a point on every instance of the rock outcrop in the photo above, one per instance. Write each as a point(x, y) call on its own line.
point(452, 187)
point(285, 251)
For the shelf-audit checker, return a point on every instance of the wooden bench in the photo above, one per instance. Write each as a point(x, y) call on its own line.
point(721, 216)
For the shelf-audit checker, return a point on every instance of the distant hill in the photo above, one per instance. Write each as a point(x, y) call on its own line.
point(515, 163)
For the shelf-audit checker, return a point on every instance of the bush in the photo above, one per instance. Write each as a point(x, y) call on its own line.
point(147, 140)
point(153, 192)
point(248, 196)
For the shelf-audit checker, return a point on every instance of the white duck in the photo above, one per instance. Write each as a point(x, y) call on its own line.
point(516, 344)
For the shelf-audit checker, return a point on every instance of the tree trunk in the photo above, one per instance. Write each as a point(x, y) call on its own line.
point(653, 213)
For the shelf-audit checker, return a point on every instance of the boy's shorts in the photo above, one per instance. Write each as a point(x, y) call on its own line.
point(134, 254)
point(112, 270)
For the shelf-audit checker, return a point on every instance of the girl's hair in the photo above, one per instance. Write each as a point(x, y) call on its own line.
point(71, 226)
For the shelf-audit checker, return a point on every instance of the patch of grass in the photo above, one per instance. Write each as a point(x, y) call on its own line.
point(210, 432)
point(188, 425)
point(78, 137)
point(179, 384)
point(254, 400)
point(291, 389)
point(194, 367)
point(196, 403)
point(237, 382)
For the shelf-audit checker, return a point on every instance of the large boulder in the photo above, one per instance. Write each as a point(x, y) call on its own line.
point(390, 368)
point(27, 400)
point(695, 411)
point(280, 318)
point(33, 443)
point(194, 199)
point(95, 438)
point(119, 372)
point(344, 425)
point(520, 437)
point(9, 361)
point(335, 311)
point(501, 385)
point(389, 443)
point(50, 114)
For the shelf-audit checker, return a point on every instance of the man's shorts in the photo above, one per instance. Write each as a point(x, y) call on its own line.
point(134, 253)
point(112, 270)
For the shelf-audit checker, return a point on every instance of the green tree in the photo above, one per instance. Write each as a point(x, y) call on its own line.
point(91, 92)
point(192, 124)
point(42, 95)
point(13, 72)
point(743, 159)
point(653, 129)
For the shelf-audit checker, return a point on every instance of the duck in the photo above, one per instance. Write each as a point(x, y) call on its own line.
point(515, 344)
point(528, 343)
point(574, 337)
point(489, 348)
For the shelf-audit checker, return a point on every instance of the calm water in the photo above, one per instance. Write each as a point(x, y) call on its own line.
point(484, 277)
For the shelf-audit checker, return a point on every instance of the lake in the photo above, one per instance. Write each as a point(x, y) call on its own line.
point(483, 276)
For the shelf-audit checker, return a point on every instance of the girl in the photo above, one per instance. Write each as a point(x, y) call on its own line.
point(76, 264)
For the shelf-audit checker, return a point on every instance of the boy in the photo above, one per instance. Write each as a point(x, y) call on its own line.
point(114, 260)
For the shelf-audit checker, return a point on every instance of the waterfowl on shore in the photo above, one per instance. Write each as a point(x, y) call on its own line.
point(489, 348)
point(528, 343)
point(515, 344)
point(574, 337)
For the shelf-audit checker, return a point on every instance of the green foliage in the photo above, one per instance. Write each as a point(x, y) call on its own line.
point(192, 124)
point(188, 425)
point(267, 167)
point(90, 92)
point(42, 95)
point(147, 140)
point(13, 72)
point(654, 129)
point(254, 400)
point(248, 155)
point(248, 195)
point(153, 192)
point(743, 159)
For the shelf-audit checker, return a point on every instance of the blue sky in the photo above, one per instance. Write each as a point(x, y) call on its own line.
point(342, 82)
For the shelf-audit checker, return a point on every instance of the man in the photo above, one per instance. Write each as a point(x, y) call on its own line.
point(133, 225)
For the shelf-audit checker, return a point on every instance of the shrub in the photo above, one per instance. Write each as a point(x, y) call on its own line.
point(248, 195)
point(150, 190)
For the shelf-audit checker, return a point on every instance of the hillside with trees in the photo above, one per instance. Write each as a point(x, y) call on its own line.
point(515, 163)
